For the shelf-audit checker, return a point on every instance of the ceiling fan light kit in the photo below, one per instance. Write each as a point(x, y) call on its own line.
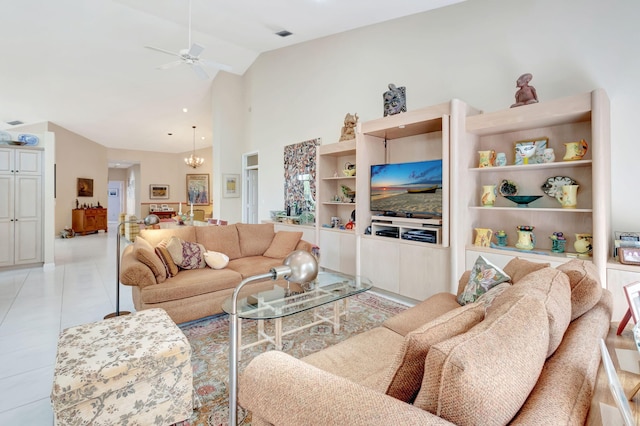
point(190, 56)
point(193, 161)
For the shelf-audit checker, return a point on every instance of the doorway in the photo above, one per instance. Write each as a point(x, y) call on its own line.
point(114, 200)
point(251, 183)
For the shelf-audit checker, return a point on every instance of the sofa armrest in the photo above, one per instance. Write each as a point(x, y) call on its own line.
point(304, 245)
point(283, 390)
point(133, 272)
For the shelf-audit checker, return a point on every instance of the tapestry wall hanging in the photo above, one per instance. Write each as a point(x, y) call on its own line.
point(300, 176)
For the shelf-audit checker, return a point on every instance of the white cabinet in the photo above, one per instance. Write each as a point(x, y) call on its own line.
point(619, 275)
point(338, 250)
point(584, 116)
point(20, 206)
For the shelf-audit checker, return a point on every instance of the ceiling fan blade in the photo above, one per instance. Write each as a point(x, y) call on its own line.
point(170, 65)
point(214, 64)
point(195, 50)
point(200, 72)
point(168, 52)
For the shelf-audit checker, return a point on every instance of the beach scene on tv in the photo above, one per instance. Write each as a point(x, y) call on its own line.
point(413, 188)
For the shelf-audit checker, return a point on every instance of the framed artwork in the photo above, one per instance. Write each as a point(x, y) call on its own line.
point(112, 192)
point(85, 187)
point(198, 189)
point(539, 145)
point(632, 291)
point(157, 191)
point(230, 186)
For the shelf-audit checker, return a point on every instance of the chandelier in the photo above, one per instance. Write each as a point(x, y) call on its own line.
point(192, 160)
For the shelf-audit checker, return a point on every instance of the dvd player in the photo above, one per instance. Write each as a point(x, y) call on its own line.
point(388, 233)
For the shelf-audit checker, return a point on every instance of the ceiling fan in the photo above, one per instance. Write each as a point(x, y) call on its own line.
point(190, 56)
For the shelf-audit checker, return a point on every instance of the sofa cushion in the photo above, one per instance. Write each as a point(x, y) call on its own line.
point(353, 358)
point(155, 236)
point(167, 260)
point(146, 254)
point(283, 243)
point(586, 289)
point(517, 268)
point(189, 283)
point(255, 238)
point(253, 265)
point(420, 314)
point(551, 287)
point(484, 376)
point(223, 239)
point(484, 275)
point(192, 256)
point(404, 375)
point(216, 260)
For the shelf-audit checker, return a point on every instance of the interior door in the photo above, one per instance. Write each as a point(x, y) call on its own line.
point(252, 195)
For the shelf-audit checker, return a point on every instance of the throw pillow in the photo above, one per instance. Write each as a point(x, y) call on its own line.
point(403, 377)
point(484, 275)
point(192, 256)
point(282, 244)
point(146, 254)
point(517, 268)
point(216, 260)
point(174, 247)
point(167, 260)
point(586, 290)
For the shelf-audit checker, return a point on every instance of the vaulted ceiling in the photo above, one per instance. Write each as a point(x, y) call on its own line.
point(83, 65)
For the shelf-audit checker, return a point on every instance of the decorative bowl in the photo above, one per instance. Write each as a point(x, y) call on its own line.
point(522, 200)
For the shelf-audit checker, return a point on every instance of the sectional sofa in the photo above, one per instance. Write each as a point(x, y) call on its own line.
point(160, 280)
point(524, 353)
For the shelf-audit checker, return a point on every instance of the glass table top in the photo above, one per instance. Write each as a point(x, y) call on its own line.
point(280, 302)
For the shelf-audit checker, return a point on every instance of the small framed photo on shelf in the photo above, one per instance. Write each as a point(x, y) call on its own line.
point(632, 291)
point(530, 151)
point(625, 239)
point(629, 255)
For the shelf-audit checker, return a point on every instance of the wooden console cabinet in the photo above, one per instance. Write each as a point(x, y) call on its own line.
point(88, 221)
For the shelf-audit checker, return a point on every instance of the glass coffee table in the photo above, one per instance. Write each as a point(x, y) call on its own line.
point(328, 287)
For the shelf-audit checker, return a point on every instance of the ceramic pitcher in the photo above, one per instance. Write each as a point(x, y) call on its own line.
point(526, 238)
point(487, 158)
point(501, 159)
point(548, 155)
point(483, 237)
point(575, 150)
point(488, 195)
point(569, 196)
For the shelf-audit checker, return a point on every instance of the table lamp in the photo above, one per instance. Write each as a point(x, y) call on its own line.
point(299, 267)
point(150, 220)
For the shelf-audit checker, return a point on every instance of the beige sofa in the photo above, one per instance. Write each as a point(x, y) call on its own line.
point(525, 353)
point(197, 293)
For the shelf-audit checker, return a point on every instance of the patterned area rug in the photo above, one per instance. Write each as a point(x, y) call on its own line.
point(209, 340)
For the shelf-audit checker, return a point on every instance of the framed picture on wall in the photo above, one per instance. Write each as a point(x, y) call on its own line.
point(157, 191)
point(230, 186)
point(198, 192)
point(85, 187)
point(112, 192)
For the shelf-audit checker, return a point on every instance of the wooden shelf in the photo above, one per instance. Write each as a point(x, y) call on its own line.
point(530, 167)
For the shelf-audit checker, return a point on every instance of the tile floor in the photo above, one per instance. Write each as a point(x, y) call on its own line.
point(36, 304)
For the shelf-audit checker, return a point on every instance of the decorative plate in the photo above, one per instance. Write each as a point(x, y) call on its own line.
point(508, 187)
point(28, 139)
point(553, 186)
point(5, 136)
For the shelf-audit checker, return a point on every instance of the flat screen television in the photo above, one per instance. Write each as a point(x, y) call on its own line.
point(407, 188)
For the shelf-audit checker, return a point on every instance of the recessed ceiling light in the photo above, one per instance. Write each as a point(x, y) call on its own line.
point(284, 33)
point(185, 110)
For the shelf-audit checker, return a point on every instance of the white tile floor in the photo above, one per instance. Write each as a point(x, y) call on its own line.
point(36, 304)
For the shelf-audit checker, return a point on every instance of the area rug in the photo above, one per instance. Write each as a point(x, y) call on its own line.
point(209, 341)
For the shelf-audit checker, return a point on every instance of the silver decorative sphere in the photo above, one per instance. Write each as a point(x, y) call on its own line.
point(151, 220)
point(304, 267)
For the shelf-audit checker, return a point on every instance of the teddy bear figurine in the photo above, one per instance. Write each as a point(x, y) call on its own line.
point(349, 128)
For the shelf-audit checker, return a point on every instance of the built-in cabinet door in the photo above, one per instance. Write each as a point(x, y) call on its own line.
point(28, 162)
point(6, 218)
point(424, 271)
point(379, 262)
point(338, 251)
point(6, 161)
point(28, 223)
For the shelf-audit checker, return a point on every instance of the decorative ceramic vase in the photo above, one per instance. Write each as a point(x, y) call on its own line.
point(583, 244)
point(526, 152)
point(483, 237)
point(526, 238)
point(569, 196)
point(487, 158)
point(575, 150)
point(488, 195)
point(501, 236)
point(501, 159)
point(548, 156)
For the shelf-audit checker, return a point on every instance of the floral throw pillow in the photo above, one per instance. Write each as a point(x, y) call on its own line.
point(192, 255)
point(484, 276)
